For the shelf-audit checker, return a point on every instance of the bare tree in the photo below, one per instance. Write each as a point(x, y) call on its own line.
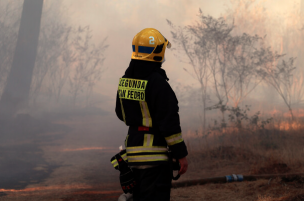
point(207, 45)
point(52, 45)
point(197, 59)
point(10, 13)
point(65, 52)
point(60, 74)
point(16, 92)
point(227, 62)
point(297, 89)
point(280, 77)
point(88, 64)
point(242, 55)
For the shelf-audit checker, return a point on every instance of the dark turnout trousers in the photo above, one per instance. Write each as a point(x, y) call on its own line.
point(153, 184)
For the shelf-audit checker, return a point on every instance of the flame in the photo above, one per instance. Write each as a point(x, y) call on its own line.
point(300, 113)
point(64, 189)
point(44, 188)
point(274, 112)
point(297, 113)
point(287, 125)
point(97, 192)
point(290, 126)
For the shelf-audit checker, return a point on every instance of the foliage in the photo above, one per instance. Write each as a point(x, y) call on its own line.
point(67, 59)
point(280, 77)
point(229, 66)
point(89, 60)
point(239, 118)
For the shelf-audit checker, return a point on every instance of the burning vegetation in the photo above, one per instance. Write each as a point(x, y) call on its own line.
point(234, 58)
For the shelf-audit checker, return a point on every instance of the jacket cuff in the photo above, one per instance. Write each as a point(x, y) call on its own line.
point(179, 150)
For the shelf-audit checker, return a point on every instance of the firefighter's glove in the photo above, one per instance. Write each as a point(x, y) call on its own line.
point(175, 166)
point(127, 181)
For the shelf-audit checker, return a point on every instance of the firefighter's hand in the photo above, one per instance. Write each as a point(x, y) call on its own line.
point(184, 165)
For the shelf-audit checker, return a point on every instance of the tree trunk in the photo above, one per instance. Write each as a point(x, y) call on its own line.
point(16, 92)
point(300, 59)
point(204, 106)
point(291, 113)
point(204, 121)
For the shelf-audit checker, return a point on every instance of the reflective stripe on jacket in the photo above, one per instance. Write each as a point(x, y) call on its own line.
point(115, 162)
point(145, 99)
point(145, 147)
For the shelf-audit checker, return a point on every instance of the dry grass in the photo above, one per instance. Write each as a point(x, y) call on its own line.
point(246, 191)
point(234, 152)
point(260, 190)
point(248, 152)
point(262, 151)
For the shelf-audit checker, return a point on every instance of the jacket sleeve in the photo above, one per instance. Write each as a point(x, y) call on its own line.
point(118, 108)
point(167, 118)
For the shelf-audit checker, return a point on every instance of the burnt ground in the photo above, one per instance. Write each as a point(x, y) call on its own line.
point(70, 160)
point(261, 190)
point(227, 160)
point(56, 159)
point(288, 189)
point(22, 160)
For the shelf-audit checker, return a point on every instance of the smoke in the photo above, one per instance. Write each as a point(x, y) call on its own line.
point(68, 131)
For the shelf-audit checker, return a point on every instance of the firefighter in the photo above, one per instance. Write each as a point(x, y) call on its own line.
point(148, 105)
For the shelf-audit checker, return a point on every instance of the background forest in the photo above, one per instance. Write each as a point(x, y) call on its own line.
point(236, 68)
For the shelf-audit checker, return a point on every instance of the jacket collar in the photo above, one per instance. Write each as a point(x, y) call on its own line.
point(139, 69)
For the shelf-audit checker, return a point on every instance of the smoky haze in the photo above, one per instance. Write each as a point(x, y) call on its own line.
point(69, 130)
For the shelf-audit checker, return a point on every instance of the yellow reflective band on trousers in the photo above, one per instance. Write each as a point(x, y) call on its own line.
point(148, 140)
point(124, 157)
point(148, 158)
point(132, 89)
point(123, 112)
point(141, 149)
point(147, 121)
point(174, 139)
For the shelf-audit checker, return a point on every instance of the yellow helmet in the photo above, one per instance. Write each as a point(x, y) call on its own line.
point(149, 45)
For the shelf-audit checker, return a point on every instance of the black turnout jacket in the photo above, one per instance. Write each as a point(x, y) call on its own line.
point(148, 105)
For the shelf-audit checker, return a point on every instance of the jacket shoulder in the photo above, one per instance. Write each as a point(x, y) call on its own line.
point(158, 79)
